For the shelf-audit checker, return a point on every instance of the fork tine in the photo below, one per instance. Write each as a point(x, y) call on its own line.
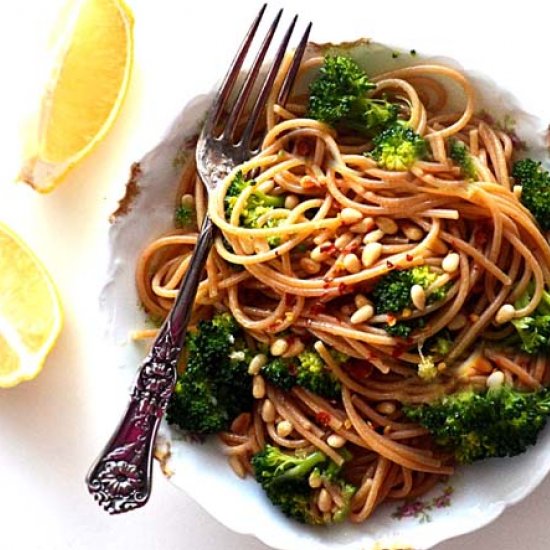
point(251, 77)
point(232, 73)
point(270, 78)
point(290, 77)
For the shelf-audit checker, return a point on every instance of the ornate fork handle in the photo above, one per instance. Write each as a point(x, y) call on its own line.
point(120, 479)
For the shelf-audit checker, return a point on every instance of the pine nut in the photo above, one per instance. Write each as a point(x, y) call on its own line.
point(352, 263)
point(517, 189)
point(418, 297)
point(187, 200)
point(284, 428)
point(371, 253)
point(258, 387)
point(373, 236)
point(386, 407)
point(268, 411)
point(458, 322)
point(291, 201)
point(295, 348)
point(324, 501)
point(350, 215)
point(411, 231)
point(362, 314)
point(279, 347)
point(322, 237)
point(335, 441)
point(315, 480)
point(505, 314)
point(343, 240)
point(387, 225)
point(309, 266)
point(438, 247)
point(256, 364)
point(450, 262)
point(363, 226)
point(495, 379)
point(317, 255)
point(361, 300)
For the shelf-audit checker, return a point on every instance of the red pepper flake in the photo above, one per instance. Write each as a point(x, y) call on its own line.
point(389, 264)
point(328, 248)
point(409, 257)
point(350, 248)
point(327, 283)
point(323, 418)
point(274, 326)
point(358, 369)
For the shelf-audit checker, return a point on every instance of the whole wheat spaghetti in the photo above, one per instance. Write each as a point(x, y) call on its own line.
point(304, 276)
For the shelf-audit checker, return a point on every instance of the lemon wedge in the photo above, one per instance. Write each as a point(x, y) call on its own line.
point(86, 91)
point(30, 311)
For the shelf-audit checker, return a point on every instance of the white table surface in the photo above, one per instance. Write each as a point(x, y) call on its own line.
point(51, 428)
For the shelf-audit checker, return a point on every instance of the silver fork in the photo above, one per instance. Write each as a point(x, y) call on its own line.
point(120, 478)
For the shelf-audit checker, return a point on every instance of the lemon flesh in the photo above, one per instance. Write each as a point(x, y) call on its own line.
point(86, 92)
point(30, 311)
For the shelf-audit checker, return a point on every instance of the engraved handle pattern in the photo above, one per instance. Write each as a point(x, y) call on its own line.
point(120, 479)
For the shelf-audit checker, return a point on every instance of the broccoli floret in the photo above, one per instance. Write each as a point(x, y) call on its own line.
point(439, 293)
point(185, 216)
point(215, 386)
point(307, 370)
point(462, 157)
point(392, 293)
point(258, 204)
point(285, 479)
point(535, 189)
point(534, 333)
point(496, 423)
point(339, 96)
point(534, 329)
point(313, 374)
point(427, 370)
point(440, 343)
point(403, 329)
point(339, 356)
point(398, 147)
point(400, 329)
point(279, 373)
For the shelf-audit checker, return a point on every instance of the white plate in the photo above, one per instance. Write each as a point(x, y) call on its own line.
point(479, 493)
